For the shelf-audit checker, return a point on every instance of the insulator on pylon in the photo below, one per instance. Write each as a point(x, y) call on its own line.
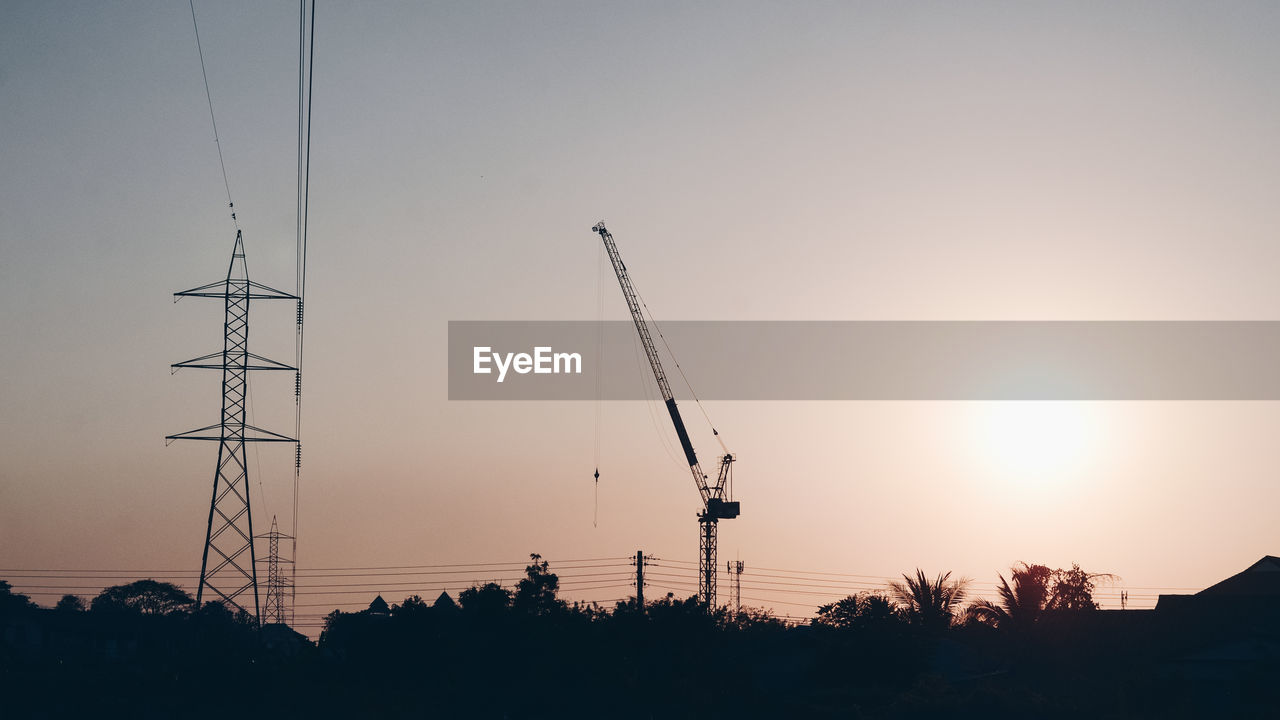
point(299, 312)
point(297, 456)
point(297, 383)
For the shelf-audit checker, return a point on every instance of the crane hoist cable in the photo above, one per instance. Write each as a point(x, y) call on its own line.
point(600, 270)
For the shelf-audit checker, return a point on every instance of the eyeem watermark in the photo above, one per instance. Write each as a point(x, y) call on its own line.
point(543, 361)
point(874, 360)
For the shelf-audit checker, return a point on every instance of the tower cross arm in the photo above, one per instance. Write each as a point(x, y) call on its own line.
point(213, 361)
point(217, 433)
point(236, 288)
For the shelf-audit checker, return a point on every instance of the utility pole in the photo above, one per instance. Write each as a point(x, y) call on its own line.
point(227, 568)
point(735, 569)
point(640, 579)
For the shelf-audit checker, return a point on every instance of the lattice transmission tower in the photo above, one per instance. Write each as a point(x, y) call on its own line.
point(735, 569)
point(278, 608)
point(227, 568)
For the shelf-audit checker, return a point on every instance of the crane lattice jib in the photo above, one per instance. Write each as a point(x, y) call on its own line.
point(655, 362)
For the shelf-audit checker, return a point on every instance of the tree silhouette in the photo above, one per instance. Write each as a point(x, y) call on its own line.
point(858, 611)
point(536, 593)
point(412, 607)
point(215, 613)
point(488, 600)
point(70, 603)
point(147, 597)
point(753, 619)
point(520, 651)
point(11, 601)
point(684, 615)
point(931, 604)
point(1073, 589)
point(1036, 588)
point(1020, 603)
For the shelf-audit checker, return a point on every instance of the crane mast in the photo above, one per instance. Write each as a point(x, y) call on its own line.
point(717, 504)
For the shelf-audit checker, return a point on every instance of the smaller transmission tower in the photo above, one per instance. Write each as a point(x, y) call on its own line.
point(735, 569)
point(278, 608)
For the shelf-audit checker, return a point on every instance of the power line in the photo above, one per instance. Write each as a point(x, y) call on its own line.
point(209, 96)
point(521, 563)
point(829, 582)
point(306, 66)
point(779, 587)
point(855, 585)
point(581, 586)
point(465, 569)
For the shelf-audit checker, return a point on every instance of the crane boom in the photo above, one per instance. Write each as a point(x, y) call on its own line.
point(655, 362)
point(714, 497)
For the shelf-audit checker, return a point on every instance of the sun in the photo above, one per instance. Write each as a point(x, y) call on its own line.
point(1035, 441)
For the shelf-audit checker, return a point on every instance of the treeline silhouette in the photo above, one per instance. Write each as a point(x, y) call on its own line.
point(921, 648)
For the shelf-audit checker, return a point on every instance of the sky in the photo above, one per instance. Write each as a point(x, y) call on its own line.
point(754, 161)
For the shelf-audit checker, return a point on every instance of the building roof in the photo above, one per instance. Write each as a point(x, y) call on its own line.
point(444, 601)
point(378, 607)
point(1259, 579)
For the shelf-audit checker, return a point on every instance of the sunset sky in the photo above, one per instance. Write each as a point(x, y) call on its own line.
point(755, 161)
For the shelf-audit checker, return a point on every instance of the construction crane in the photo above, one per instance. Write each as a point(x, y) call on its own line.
point(717, 497)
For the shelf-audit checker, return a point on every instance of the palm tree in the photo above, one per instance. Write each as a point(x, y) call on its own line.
point(930, 603)
point(1020, 603)
point(1035, 589)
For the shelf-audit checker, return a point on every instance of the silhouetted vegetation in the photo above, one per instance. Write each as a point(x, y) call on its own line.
point(931, 604)
point(1044, 649)
point(12, 602)
point(145, 597)
point(1036, 589)
point(70, 603)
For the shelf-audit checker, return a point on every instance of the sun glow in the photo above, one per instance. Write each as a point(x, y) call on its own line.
point(1035, 441)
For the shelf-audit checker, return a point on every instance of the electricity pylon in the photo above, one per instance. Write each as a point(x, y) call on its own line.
point(229, 534)
point(279, 585)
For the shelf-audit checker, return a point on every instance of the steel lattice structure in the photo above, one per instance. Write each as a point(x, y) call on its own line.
point(707, 526)
point(227, 567)
point(277, 609)
point(735, 569)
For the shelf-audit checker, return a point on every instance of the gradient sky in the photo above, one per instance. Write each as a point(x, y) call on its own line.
point(880, 161)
